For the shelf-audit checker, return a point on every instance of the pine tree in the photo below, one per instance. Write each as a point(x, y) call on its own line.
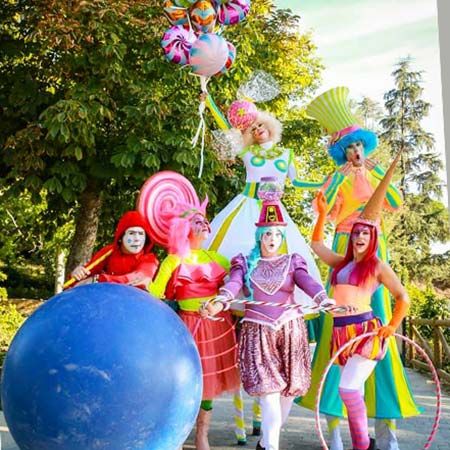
point(423, 219)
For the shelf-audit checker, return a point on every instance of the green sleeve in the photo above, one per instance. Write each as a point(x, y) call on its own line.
point(158, 287)
point(300, 184)
point(331, 191)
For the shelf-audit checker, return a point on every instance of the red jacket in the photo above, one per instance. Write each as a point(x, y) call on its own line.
point(124, 268)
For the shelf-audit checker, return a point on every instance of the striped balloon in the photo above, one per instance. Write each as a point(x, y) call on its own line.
point(203, 16)
point(177, 15)
point(208, 54)
point(233, 12)
point(230, 59)
point(184, 3)
point(177, 43)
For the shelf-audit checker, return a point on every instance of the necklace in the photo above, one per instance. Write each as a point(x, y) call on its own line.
point(270, 153)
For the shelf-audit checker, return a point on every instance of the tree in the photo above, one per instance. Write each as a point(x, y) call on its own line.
point(424, 218)
point(91, 108)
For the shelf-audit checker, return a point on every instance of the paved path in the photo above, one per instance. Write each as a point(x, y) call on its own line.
point(300, 430)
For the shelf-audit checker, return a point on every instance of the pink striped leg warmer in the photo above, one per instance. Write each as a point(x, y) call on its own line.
point(357, 417)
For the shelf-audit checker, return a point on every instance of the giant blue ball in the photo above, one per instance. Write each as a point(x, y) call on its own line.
point(105, 367)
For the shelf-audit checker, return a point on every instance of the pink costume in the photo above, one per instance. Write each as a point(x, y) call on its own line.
point(273, 347)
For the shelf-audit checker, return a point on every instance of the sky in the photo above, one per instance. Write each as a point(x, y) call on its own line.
point(360, 41)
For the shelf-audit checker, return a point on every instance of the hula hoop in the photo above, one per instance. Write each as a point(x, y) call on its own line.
point(437, 416)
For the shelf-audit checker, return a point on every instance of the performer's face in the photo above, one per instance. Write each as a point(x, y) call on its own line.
point(260, 132)
point(360, 239)
point(133, 240)
point(355, 153)
point(200, 228)
point(271, 242)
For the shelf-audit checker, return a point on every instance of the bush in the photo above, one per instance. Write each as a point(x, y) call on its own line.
point(10, 321)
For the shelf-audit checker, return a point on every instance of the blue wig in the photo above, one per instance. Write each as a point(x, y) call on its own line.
point(367, 137)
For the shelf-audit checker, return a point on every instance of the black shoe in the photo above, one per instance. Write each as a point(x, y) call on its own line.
point(242, 442)
point(258, 446)
point(256, 431)
point(372, 445)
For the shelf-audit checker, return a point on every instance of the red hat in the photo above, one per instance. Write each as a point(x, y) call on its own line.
point(270, 192)
point(133, 219)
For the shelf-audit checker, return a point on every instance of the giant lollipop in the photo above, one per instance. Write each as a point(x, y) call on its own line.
point(177, 15)
point(160, 195)
point(233, 11)
point(203, 16)
point(208, 54)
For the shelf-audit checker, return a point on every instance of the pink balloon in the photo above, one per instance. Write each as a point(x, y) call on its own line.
point(242, 114)
point(208, 54)
point(230, 59)
point(233, 11)
point(176, 43)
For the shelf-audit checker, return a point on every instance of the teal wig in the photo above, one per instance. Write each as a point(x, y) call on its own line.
point(367, 137)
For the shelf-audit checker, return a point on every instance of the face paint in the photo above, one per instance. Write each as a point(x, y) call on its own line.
point(133, 240)
point(200, 228)
point(271, 242)
point(355, 153)
point(260, 132)
point(360, 239)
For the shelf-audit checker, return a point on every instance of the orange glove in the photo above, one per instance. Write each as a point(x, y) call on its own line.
point(318, 232)
point(400, 310)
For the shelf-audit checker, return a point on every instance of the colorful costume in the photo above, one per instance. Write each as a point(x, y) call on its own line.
point(274, 353)
point(120, 267)
point(387, 393)
point(191, 281)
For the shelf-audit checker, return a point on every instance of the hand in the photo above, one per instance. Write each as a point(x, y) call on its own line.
point(80, 273)
point(203, 96)
point(321, 203)
point(370, 163)
point(327, 302)
point(346, 168)
point(210, 308)
point(386, 331)
point(87, 280)
point(140, 280)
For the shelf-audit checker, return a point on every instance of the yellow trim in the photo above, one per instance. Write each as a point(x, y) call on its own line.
point(218, 239)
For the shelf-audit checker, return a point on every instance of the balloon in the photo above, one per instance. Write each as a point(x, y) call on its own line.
point(208, 54)
point(177, 15)
point(242, 114)
point(161, 193)
point(176, 43)
point(203, 16)
point(230, 59)
point(233, 12)
point(102, 367)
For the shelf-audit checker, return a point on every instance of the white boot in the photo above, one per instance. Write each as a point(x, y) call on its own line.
point(334, 432)
point(385, 434)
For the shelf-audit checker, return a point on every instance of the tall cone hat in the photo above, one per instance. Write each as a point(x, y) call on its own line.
point(372, 211)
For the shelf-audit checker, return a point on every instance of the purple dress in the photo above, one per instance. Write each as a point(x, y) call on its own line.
point(273, 348)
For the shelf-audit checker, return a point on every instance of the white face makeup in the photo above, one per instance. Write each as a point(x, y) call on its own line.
point(355, 153)
point(260, 132)
point(271, 242)
point(200, 228)
point(133, 240)
point(360, 239)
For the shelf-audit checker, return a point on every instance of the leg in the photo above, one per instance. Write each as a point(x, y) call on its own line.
point(335, 433)
point(354, 374)
point(239, 419)
point(256, 416)
point(203, 421)
point(271, 421)
point(385, 434)
point(286, 404)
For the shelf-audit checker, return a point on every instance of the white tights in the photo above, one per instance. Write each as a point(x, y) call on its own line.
point(355, 373)
point(275, 411)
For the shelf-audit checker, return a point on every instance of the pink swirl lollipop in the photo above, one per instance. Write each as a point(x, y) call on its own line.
point(177, 43)
point(233, 11)
point(159, 196)
point(208, 54)
point(242, 114)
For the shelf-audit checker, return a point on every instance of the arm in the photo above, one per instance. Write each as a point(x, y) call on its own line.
point(329, 257)
point(168, 266)
point(390, 280)
point(393, 196)
point(301, 184)
point(98, 263)
point(140, 277)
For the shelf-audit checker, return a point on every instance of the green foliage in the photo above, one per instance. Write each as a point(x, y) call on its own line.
point(10, 321)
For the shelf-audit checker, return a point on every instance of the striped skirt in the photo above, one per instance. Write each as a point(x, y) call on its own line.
point(346, 328)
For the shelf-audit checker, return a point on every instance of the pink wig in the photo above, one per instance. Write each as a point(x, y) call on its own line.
point(180, 226)
point(364, 269)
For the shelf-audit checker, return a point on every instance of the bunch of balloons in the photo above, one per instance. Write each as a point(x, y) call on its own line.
point(192, 40)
